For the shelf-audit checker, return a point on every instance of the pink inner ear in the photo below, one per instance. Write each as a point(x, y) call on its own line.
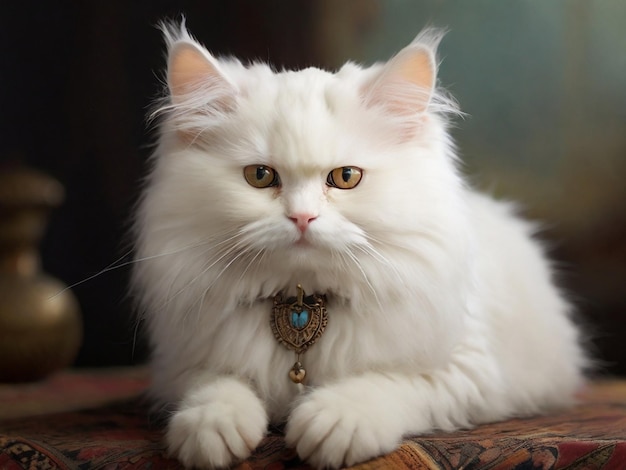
point(200, 93)
point(184, 68)
point(189, 69)
point(418, 69)
point(406, 83)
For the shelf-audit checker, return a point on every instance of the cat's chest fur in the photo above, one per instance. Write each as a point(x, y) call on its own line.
point(357, 338)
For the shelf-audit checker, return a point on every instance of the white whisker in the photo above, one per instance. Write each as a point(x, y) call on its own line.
point(211, 262)
point(219, 275)
point(110, 267)
point(357, 263)
point(254, 258)
point(117, 265)
point(382, 259)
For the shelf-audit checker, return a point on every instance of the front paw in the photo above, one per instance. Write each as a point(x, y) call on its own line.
point(217, 426)
point(330, 429)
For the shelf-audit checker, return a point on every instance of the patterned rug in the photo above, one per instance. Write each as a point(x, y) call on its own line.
point(119, 435)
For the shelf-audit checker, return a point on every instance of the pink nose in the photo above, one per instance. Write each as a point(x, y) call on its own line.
point(302, 221)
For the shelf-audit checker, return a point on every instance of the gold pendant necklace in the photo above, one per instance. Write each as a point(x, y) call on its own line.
point(297, 323)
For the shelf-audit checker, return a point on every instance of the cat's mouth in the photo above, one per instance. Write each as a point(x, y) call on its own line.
point(303, 242)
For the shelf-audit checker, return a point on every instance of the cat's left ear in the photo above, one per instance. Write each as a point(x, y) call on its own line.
point(406, 84)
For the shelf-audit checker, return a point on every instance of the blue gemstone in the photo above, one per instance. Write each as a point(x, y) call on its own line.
point(299, 320)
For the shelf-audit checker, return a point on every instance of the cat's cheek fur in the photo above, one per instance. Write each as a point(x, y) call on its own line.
point(217, 424)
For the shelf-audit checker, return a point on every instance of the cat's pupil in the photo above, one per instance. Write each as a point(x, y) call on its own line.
point(261, 172)
point(346, 174)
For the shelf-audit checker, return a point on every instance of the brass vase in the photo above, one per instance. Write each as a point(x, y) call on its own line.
point(40, 323)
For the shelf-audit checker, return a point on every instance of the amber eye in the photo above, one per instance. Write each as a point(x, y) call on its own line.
point(346, 177)
point(261, 176)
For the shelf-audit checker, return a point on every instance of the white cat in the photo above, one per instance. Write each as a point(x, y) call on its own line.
point(442, 312)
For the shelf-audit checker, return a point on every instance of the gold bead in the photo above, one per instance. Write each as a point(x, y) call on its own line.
point(297, 373)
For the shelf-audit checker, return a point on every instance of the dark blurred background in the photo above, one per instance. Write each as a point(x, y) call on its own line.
point(544, 86)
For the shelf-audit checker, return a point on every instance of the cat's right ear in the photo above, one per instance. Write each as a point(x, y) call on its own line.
point(200, 94)
point(193, 75)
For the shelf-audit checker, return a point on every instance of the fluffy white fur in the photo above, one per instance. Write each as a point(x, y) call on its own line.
point(442, 309)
